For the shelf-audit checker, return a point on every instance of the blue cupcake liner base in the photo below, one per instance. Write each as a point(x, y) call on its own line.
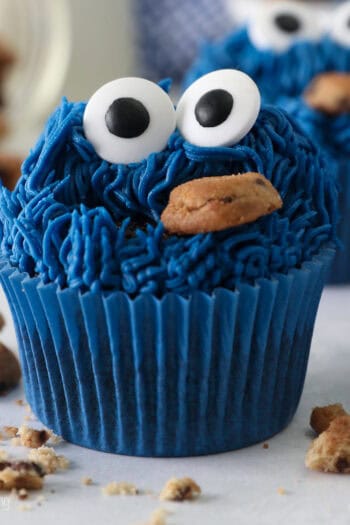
point(340, 270)
point(170, 376)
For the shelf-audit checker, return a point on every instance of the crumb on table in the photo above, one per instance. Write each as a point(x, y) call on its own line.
point(48, 459)
point(180, 490)
point(22, 494)
point(3, 455)
point(86, 481)
point(21, 475)
point(158, 517)
point(10, 432)
point(330, 451)
point(31, 437)
point(119, 489)
point(321, 417)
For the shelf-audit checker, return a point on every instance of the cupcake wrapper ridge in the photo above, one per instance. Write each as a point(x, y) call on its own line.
point(340, 270)
point(166, 377)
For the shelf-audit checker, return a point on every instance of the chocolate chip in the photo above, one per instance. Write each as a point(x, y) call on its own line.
point(227, 200)
point(342, 464)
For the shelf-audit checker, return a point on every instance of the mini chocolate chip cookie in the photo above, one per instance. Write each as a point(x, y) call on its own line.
point(329, 93)
point(215, 203)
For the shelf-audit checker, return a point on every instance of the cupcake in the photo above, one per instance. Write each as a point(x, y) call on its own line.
point(300, 65)
point(324, 113)
point(164, 267)
point(282, 46)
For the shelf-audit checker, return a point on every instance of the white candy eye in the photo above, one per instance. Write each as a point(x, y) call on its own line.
point(128, 119)
point(218, 109)
point(277, 26)
point(340, 25)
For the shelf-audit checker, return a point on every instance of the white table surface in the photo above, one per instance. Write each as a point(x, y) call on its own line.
point(239, 488)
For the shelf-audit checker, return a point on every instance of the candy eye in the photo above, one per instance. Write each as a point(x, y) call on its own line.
point(279, 25)
point(340, 25)
point(218, 109)
point(128, 119)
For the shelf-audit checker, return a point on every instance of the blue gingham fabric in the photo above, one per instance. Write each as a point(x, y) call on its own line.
point(170, 31)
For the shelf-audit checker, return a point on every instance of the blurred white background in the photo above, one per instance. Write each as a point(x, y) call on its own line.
point(102, 45)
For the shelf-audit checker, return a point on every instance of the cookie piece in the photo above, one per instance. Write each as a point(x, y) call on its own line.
point(215, 203)
point(180, 490)
point(10, 169)
point(10, 372)
point(31, 437)
point(329, 93)
point(20, 475)
point(47, 458)
point(330, 452)
point(321, 417)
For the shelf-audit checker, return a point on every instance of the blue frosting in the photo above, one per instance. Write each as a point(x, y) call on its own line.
point(330, 133)
point(81, 222)
point(277, 74)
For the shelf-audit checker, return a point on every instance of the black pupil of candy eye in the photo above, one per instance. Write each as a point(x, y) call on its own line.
point(213, 108)
point(288, 23)
point(127, 118)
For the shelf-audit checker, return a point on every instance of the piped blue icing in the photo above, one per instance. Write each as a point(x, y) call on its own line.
point(331, 133)
point(81, 222)
point(278, 75)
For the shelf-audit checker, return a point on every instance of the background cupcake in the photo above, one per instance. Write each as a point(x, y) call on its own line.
point(285, 47)
point(145, 327)
point(324, 113)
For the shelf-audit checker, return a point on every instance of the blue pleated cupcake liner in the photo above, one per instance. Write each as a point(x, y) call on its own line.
point(166, 377)
point(340, 270)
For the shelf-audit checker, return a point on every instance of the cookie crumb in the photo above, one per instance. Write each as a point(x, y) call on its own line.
point(266, 446)
point(20, 402)
point(10, 432)
point(158, 517)
point(22, 494)
point(40, 499)
point(25, 506)
point(180, 490)
point(86, 481)
point(10, 371)
point(321, 417)
point(120, 489)
point(3, 455)
point(54, 438)
point(32, 438)
point(48, 459)
point(330, 451)
point(281, 491)
point(16, 442)
point(21, 475)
